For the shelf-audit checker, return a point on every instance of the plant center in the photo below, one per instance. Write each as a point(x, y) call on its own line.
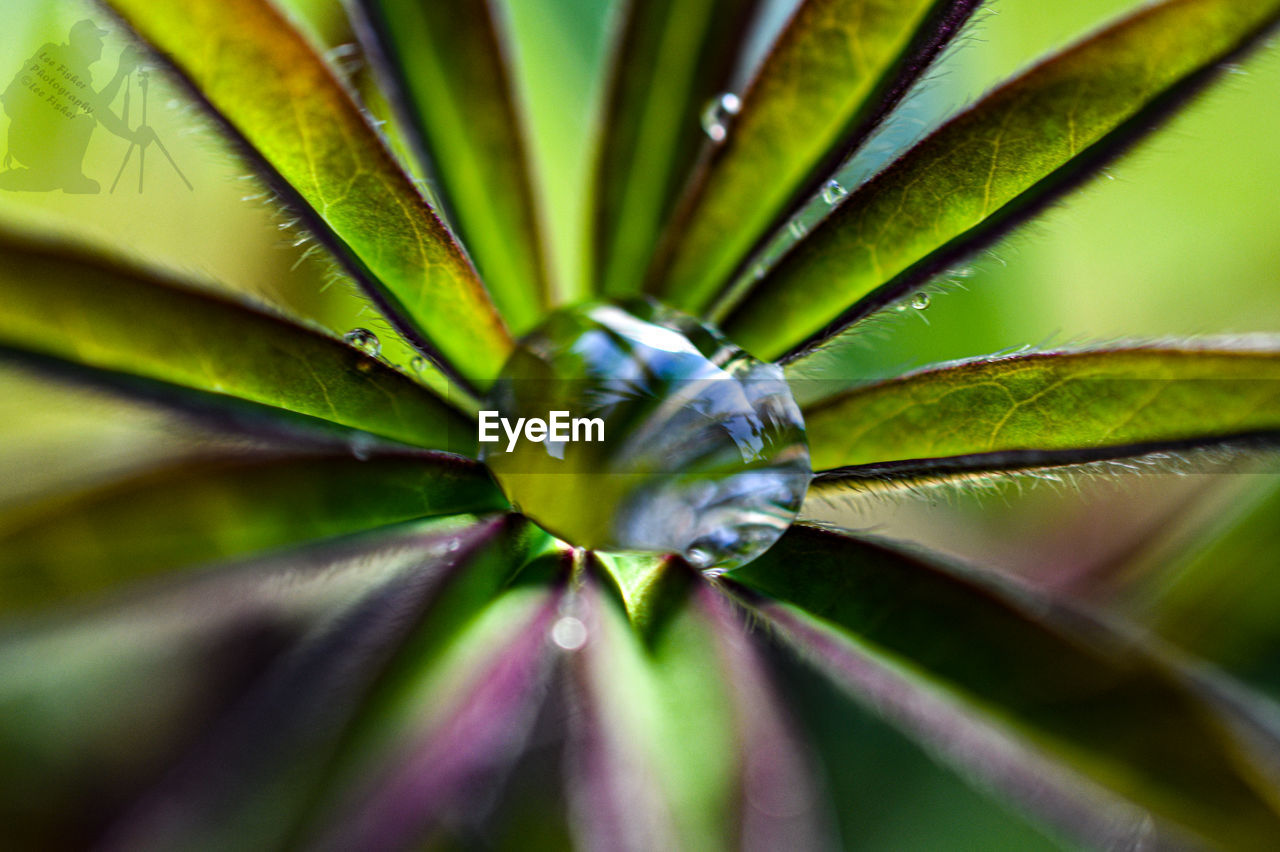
point(632, 427)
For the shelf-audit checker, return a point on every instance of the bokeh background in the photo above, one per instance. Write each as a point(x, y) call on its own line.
point(1181, 238)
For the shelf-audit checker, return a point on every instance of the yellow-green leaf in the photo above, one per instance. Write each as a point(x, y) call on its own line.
point(673, 59)
point(138, 330)
point(1045, 409)
point(273, 91)
point(836, 70)
point(446, 61)
point(993, 165)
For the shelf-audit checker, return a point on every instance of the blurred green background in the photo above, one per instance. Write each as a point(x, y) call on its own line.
point(1182, 239)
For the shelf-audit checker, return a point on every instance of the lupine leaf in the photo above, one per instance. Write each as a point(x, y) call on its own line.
point(1044, 410)
point(836, 70)
point(1065, 686)
point(673, 58)
point(137, 330)
point(1212, 588)
point(259, 76)
point(998, 162)
point(449, 715)
point(195, 513)
point(639, 691)
point(248, 780)
point(445, 61)
point(126, 686)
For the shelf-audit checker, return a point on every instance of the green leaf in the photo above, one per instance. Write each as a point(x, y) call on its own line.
point(835, 72)
point(78, 547)
point(1043, 410)
point(454, 704)
point(258, 75)
point(170, 662)
point(653, 755)
point(138, 330)
point(991, 167)
point(445, 61)
point(1211, 587)
point(1065, 686)
point(249, 780)
point(673, 58)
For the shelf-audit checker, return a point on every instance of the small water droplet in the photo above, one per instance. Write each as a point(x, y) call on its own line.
point(569, 633)
point(717, 115)
point(833, 192)
point(364, 340)
point(698, 557)
point(417, 363)
point(797, 228)
point(362, 446)
point(920, 301)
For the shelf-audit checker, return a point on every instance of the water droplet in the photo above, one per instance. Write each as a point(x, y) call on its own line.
point(703, 450)
point(364, 340)
point(362, 446)
point(833, 192)
point(569, 633)
point(417, 363)
point(797, 228)
point(920, 301)
point(718, 114)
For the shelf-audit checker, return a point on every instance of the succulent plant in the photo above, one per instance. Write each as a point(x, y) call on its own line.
point(358, 626)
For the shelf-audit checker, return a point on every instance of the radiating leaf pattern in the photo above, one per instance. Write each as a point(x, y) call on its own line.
point(275, 93)
point(78, 547)
point(1092, 698)
point(1010, 154)
point(674, 58)
point(172, 660)
point(836, 70)
point(316, 624)
point(447, 62)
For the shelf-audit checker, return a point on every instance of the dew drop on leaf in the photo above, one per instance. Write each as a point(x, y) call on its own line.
point(703, 450)
point(364, 340)
point(833, 192)
point(569, 633)
point(920, 301)
point(717, 115)
point(417, 363)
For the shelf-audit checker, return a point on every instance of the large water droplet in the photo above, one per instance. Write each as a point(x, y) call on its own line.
point(717, 115)
point(364, 340)
point(703, 449)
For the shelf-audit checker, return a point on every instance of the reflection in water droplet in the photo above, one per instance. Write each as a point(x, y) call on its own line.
point(364, 340)
point(717, 115)
point(920, 301)
point(703, 451)
point(569, 633)
point(833, 192)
